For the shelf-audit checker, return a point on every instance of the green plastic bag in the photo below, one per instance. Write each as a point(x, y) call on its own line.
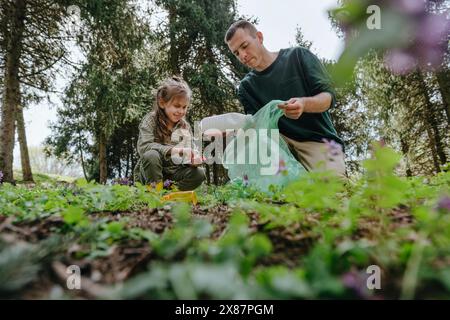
point(260, 139)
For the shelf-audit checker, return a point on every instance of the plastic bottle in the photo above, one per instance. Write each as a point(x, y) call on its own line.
point(232, 120)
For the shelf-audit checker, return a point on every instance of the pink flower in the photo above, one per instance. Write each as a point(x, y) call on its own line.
point(282, 167)
point(334, 149)
point(400, 62)
point(426, 40)
point(409, 6)
point(444, 204)
point(356, 282)
point(432, 30)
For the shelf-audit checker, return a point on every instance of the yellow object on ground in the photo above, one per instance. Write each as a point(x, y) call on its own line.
point(158, 187)
point(186, 196)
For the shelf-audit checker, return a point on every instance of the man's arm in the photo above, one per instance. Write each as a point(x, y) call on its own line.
point(320, 88)
point(294, 107)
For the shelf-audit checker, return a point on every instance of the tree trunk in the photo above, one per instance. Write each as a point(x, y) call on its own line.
point(11, 98)
point(24, 156)
point(430, 117)
point(174, 64)
point(83, 165)
point(443, 79)
point(432, 147)
point(215, 174)
point(405, 149)
point(102, 158)
point(127, 167)
point(133, 164)
point(132, 157)
point(119, 165)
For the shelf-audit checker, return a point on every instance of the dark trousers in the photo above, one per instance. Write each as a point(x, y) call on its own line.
point(153, 167)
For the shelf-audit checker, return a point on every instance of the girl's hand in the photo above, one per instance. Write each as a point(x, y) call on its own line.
point(192, 157)
point(196, 159)
point(181, 155)
point(182, 152)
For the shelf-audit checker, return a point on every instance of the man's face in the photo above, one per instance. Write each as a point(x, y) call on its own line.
point(246, 48)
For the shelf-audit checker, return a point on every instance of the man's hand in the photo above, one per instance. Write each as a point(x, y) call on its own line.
point(293, 108)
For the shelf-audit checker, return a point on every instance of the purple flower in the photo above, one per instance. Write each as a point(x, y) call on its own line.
point(400, 62)
point(444, 204)
point(123, 181)
point(167, 183)
point(409, 6)
point(432, 30)
point(282, 167)
point(425, 44)
point(431, 40)
point(381, 143)
point(427, 47)
point(334, 149)
point(430, 58)
point(356, 282)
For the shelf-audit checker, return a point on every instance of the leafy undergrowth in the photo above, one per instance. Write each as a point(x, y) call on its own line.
point(314, 239)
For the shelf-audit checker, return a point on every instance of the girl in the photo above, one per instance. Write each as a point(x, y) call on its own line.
point(156, 143)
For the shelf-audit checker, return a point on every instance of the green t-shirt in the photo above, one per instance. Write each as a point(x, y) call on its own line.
point(296, 72)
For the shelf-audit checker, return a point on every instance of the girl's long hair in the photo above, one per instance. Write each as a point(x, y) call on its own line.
point(169, 88)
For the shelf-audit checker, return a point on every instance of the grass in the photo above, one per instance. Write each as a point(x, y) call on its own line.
point(317, 238)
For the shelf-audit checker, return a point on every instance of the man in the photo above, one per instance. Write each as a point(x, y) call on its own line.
point(296, 76)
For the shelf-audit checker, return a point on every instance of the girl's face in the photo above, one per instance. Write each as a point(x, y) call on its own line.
point(175, 108)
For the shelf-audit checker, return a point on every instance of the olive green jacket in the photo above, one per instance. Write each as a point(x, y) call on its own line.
point(181, 137)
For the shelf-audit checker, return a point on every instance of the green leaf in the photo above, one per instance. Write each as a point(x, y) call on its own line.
point(74, 216)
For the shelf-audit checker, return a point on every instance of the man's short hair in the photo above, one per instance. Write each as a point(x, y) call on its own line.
point(240, 24)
